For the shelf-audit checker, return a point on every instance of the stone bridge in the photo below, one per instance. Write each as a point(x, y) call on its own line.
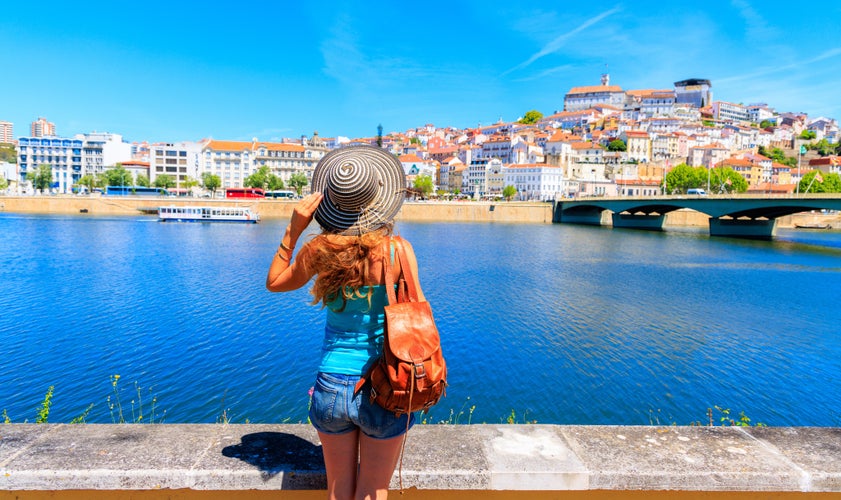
point(741, 216)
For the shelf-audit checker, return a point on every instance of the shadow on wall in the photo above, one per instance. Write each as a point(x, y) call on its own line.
point(276, 453)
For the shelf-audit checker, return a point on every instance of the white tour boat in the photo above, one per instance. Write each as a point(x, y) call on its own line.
point(207, 214)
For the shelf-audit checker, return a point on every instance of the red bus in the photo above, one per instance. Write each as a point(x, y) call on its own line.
point(244, 193)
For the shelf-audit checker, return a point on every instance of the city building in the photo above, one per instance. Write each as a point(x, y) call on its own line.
point(7, 135)
point(136, 168)
point(730, 112)
point(581, 98)
point(694, 91)
point(181, 161)
point(230, 160)
point(63, 155)
point(539, 181)
point(637, 145)
point(42, 128)
point(102, 150)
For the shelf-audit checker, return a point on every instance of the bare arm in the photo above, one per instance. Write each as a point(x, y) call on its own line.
point(283, 274)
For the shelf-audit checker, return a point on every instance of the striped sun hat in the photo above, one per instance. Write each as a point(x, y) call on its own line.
point(363, 188)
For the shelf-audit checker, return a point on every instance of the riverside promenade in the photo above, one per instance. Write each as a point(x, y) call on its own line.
point(214, 461)
point(456, 211)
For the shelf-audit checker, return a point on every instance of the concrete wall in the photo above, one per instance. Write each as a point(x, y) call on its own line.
point(425, 211)
point(441, 461)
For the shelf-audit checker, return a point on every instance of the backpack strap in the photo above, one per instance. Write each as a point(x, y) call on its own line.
point(411, 284)
point(390, 244)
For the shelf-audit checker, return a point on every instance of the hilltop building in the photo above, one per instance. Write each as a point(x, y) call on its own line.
point(694, 91)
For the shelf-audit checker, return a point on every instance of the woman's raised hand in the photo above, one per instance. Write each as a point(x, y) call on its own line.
point(303, 213)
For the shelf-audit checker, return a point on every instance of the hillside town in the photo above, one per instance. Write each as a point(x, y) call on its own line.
point(607, 141)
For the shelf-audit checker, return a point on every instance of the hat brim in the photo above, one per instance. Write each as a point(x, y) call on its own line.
point(385, 204)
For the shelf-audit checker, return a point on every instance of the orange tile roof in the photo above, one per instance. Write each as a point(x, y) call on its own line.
point(409, 158)
point(279, 146)
point(595, 88)
point(228, 145)
point(585, 145)
point(827, 160)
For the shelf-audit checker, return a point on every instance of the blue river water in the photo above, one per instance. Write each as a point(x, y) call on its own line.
point(551, 323)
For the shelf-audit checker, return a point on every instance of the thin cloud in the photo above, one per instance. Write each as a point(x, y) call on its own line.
point(757, 28)
point(545, 73)
point(556, 44)
point(776, 69)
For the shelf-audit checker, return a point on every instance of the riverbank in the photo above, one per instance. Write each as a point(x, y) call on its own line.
point(460, 211)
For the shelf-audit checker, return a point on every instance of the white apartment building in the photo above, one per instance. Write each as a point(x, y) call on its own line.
point(102, 151)
point(761, 112)
point(70, 159)
point(232, 161)
point(495, 179)
point(180, 161)
point(730, 112)
point(539, 181)
point(475, 178)
point(63, 155)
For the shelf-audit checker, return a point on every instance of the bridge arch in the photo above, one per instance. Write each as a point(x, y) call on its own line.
point(739, 216)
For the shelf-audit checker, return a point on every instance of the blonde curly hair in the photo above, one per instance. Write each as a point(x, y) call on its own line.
point(343, 263)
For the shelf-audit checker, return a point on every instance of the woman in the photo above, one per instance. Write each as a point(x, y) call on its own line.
point(357, 191)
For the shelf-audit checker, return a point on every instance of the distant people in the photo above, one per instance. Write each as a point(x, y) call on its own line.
point(357, 191)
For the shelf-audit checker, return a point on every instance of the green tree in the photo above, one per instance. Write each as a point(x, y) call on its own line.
point(727, 180)
point(820, 182)
point(88, 181)
point(41, 178)
point(683, 177)
point(423, 183)
point(508, 192)
point(275, 183)
point(164, 181)
point(118, 176)
point(808, 135)
point(259, 179)
point(531, 117)
point(297, 181)
point(766, 124)
point(617, 145)
point(142, 180)
point(211, 182)
point(189, 183)
point(3, 183)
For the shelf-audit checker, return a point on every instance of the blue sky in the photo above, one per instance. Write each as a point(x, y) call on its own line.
point(183, 71)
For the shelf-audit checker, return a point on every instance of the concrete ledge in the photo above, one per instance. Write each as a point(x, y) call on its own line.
point(216, 457)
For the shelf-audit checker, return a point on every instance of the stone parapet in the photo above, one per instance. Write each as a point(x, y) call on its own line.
point(439, 458)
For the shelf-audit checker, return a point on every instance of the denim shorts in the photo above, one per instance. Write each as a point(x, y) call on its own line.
point(336, 410)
